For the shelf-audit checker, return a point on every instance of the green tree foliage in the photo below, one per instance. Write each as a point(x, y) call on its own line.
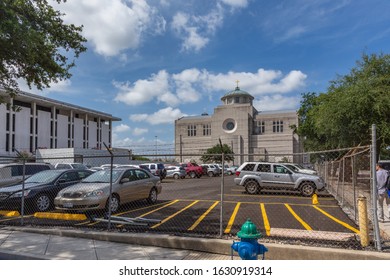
point(343, 116)
point(35, 44)
point(214, 154)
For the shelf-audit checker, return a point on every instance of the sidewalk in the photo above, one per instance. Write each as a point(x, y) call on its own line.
point(27, 245)
point(54, 244)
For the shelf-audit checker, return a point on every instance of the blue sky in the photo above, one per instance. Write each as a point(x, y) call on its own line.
point(151, 62)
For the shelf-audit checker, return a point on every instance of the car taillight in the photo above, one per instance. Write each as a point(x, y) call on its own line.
point(238, 173)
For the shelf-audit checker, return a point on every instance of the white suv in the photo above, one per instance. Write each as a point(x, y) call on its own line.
point(255, 176)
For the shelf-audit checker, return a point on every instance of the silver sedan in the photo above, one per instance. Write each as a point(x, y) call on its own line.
point(92, 193)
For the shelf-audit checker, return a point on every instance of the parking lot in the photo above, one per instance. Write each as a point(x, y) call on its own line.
point(196, 207)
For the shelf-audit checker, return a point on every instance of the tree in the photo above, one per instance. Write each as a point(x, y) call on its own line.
point(34, 44)
point(342, 117)
point(214, 154)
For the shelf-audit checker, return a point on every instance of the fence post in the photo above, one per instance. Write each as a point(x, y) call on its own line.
point(374, 189)
point(23, 186)
point(363, 221)
point(222, 191)
point(110, 194)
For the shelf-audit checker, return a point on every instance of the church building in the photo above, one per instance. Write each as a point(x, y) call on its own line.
point(252, 135)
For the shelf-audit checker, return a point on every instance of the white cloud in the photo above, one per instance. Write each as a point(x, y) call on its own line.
point(235, 3)
point(166, 115)
point(276, 102)
point(139, 131)
point(121, 128)
point(113, 25)
point(196, 30)
point(144, 91)
point(189, 85)
point(60, 86)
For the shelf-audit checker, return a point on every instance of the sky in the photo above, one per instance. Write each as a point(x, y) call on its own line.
point(150, 62)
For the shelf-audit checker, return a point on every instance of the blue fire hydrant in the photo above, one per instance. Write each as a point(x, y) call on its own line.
point(248, 248)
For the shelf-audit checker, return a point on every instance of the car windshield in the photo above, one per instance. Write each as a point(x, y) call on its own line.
point(78, 166)
point(294, 168)
point(103, 176)
point(44, 176)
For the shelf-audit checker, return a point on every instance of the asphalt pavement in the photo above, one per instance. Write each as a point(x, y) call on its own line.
point(67, 244)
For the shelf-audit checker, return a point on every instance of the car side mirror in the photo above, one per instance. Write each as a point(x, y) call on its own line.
point(60, 181)
point(125, 180)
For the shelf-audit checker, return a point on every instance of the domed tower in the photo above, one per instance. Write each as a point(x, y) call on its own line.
point(237, 96)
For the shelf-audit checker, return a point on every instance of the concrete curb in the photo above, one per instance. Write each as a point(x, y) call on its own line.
point(215, 246)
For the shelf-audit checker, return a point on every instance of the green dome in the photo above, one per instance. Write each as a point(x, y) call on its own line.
point(237, 92)
point(249, 230)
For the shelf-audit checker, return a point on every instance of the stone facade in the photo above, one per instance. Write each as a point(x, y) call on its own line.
point(252, 135)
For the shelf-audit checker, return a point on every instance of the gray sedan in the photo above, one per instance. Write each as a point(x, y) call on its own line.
point(92, 193)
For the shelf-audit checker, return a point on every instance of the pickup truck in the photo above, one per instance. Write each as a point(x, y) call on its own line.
point(192, 169)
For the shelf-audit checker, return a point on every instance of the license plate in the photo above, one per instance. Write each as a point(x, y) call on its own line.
point(68, 205)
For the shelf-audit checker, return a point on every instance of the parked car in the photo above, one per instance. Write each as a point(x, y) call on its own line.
point(300, 168)
point(192, 169)
point(157, 169)
point(232, 169)
point(176, 172)
point(224, 169)
point(212, 169)
point(255, 176)
point(40, 189)
point(61, 165)
point(92, 193)
point(12, 173)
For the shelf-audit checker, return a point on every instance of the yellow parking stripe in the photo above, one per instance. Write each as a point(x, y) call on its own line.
point(305, 225)
point(177, 213)
point(203, 216)
point(265, 219)
point(165, 205)
point(337, 220)
point(232, 218)
point(155, 210)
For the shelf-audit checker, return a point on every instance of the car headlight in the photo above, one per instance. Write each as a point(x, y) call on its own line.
point(20, 194)
point(94, 193)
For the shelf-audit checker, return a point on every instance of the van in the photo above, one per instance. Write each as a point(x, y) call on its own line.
point(12, 173)
point(157, 169)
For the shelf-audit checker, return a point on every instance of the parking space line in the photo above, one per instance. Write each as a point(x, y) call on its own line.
point(278, 196)
point(337, 220)
point(305, 225)
point(203, 216)
point(265, 219)
point(155, 210)
point(232, 218)
point(177, 213)
point(120, 214)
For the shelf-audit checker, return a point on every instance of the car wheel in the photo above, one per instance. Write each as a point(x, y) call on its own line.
point(307, 189)
point(229, 173)
point(114, 203)
point(192, 175)
point(252, 187)
point(176, 176)
point(211, 174)
point(152, 196)
point(43, 202)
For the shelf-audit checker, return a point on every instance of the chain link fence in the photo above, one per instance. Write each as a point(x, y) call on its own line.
point(93, 192)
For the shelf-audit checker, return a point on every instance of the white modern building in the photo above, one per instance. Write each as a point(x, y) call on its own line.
point(44, 123)
point(252, 135)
